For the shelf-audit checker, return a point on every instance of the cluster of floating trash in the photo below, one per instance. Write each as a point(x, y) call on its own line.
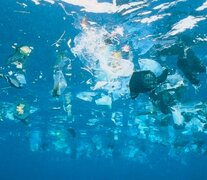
point(128, 107)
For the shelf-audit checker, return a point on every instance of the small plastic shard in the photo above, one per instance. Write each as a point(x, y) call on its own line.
point(86, 96)
point(69, 43)
point(56, 108)
point(105, 100)
point(177, 116)
point(99, 85)
point(22, 4)
point(57, 42)
point(50, 1)
point(37, 2)
point(21, 78)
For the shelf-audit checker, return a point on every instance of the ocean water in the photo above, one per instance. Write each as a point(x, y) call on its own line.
point(65, 107)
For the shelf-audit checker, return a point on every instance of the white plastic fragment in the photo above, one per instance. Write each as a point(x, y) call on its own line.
point(152, 65)
point(99, 85)
point(69, 43)
point(21, 78)
point(177, 116)
point(86, 96)
point(37, 2)
point(50, 1)
point(104, 101)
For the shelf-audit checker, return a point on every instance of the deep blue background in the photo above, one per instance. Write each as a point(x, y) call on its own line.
point(17, 162)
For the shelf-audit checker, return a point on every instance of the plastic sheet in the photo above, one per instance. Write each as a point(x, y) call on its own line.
point(60, 83)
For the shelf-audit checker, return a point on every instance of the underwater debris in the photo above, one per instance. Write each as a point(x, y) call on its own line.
point(105, 100)
point(15, 70)
point(57, 42)
point(151, 65)
point(190, 65)
point(86, 96)
point(94, 116)
point(22, 112)
point(145, 81)
point(60, 83)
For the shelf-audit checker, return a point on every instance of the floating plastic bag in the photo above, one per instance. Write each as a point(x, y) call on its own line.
point(149, 64)
point(60, 83)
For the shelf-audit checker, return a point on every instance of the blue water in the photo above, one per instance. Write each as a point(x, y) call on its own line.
point(55, 144)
